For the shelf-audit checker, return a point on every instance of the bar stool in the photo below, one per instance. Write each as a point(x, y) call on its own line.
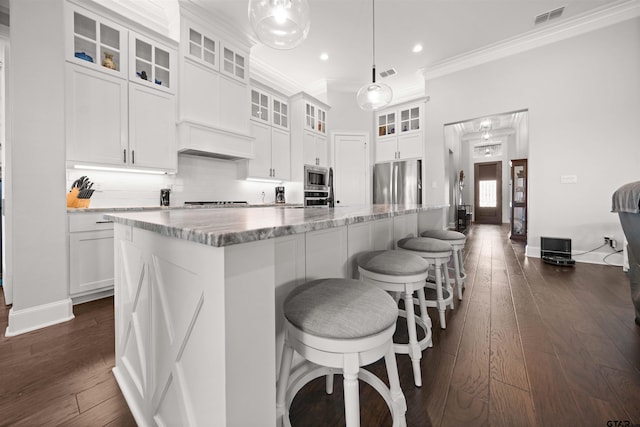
point(437, 253)
point(339, 325)
point(457, 241)
point(406, 273)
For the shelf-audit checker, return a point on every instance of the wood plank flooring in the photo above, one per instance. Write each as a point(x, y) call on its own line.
point(530, 345)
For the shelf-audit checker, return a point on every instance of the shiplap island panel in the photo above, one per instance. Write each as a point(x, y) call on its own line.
point(198, 296)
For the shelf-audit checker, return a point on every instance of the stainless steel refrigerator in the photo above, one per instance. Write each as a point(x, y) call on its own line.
point(398, 182)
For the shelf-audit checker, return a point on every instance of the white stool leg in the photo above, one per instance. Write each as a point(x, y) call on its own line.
point(283, 381)
point(329, 384)
point(456, 266)
point(351, 390)
point(399, 402)
point(461, 262)
point(439, 296)
point(447, 283)
point(424, 314)
point(414, 348)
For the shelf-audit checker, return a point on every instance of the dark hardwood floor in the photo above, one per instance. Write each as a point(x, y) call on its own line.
point(61, 375)
point(530, 345)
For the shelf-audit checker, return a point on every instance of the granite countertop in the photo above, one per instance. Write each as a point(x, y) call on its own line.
point(230, 226)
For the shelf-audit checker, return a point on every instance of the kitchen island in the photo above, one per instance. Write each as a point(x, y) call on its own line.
point(198, 296)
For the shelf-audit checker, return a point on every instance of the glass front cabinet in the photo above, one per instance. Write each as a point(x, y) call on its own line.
point(519, 199)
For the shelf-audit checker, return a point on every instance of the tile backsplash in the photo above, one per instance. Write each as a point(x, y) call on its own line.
point(198, 179)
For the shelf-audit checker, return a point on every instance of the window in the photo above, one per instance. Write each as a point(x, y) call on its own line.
point(488, 193)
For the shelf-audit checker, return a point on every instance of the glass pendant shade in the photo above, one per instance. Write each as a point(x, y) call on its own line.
point(374, 95)
point(280, 24)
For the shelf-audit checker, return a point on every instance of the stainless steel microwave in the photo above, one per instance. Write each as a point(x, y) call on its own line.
point(316, 178)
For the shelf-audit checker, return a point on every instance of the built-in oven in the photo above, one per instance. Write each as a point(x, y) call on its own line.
point(316, 198)
point(316, 178)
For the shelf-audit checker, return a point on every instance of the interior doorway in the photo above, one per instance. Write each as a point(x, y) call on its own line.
point(488, 192)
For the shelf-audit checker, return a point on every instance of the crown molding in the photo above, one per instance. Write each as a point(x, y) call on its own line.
point(271, 76)
point(599, 18)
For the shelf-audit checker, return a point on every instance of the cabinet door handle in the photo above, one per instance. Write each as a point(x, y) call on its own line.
point(124, 153)
point(104, 222)
point(133, 157)
point(274, 172)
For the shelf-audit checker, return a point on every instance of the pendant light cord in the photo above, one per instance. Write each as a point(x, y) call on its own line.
point(373, 69)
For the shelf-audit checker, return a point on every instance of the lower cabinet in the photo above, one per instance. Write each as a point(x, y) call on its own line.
point(90, 256)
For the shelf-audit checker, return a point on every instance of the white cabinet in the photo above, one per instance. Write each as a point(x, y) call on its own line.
point(400, 134)
point(152, 63)
point(118, 114)
point(271, 153)
point(315, 149)
point(152, 128)
point(214, 92)
point(271, 145)
point(308, 133)
point(95, 42)
point(96, 116)
point(90, 254)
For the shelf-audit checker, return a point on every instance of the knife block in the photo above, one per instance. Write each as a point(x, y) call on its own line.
point(74, 202)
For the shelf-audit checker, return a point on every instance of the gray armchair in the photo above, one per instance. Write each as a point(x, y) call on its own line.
point(626, 202)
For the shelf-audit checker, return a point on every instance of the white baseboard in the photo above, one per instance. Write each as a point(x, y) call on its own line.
point(41, 316)
point(578, 256)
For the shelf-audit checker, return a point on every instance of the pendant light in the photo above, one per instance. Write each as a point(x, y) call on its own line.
point(280, 24)
point(374, 95)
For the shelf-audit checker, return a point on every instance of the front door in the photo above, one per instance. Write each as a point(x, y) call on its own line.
point(488, 193)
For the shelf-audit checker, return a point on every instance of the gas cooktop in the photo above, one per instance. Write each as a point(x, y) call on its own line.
point(217, 202)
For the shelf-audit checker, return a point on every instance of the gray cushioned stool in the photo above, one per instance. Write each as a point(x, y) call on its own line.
point(437, 253)
point(406, 273)
point(337, 326)
point(457, 241)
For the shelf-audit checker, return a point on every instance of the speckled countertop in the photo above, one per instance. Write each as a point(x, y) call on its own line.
point(230, 226)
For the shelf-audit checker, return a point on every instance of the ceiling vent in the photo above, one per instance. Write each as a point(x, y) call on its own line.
point(388, 73)
point(548, 16)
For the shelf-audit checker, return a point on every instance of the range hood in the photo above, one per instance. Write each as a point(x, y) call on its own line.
point(208, 141)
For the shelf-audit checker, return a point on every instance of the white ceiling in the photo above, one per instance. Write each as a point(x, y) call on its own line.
point(343, 29)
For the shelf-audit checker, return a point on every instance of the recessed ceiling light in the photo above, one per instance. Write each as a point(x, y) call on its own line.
point(417, 48)
point(324, 56)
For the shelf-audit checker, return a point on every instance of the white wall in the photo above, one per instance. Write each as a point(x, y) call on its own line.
point(37, 156)
point(582, 97)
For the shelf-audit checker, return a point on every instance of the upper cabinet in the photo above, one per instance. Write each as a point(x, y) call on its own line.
point(399, 132)
point(152, 63)
point(308, 133)
point(95, 42)
point(214, 98)
point(120, 107)
point(270, 130)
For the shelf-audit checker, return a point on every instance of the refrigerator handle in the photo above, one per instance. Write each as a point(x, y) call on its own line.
point(394, 182)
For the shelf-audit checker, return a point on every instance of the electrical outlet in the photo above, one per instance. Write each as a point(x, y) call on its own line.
point(607, 240)
point(612, 243)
